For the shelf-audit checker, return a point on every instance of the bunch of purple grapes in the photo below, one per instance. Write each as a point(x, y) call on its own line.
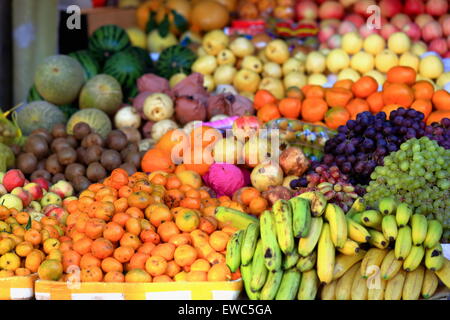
point(440, 132)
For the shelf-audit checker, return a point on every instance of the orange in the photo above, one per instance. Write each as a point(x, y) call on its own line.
point(268, 112)
point(165, 250)
point(314, 91)
point(219, 272)
point(257, 205)
point(102, 248)
point(173, 197)
point(113, 231)
point(398, 93)
point(423, 90)
point(106, 209)
point(133, 225)
point(172, 268)
point(187, 221)
point(22, 217)
point(194, 276)
point(156, 265)
point(200, 265)
point(375, 101)
point(167, 229)
point(190, 203)
point(89, 260)
point(121, 218)
point(83, 245)
point(215, 257)
point(159, 179)
point(262, 98)
point(173, 182)
point(139, 199)
point(158, 213)
point(138, 261)
point(218, 240)
point(22, 272)
point(295, 92)
point(389, 108)
point(345, 83)
point(356, 106)
point(171, 139)
point(208, 224)
point(130, 240)
point(162, 278)
point(290, 107)
point(437, 116)
point(441, 100)
point(94, 228)
point(146, 248)
point(70, 258)
point(33, 260)
point(203, 137)
point(150, 236)
point(336, 117)
point(401, 74)
point(338, 97)
point(185, 255)
point(110, 264)
point(314, 109)
point(114, 276)
point(120, 205)
point(364, 87)
point(157, 160)
point(180, 239)
point(135, 213)
point(123, 254)
point(33, 236)
point(248, 194)
point(50, 270)
point(91, 274)
point(423, 106)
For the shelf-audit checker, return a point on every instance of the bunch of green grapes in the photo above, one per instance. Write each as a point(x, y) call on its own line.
point(419, 174)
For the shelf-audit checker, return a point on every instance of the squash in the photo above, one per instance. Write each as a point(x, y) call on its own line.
point(208, 15)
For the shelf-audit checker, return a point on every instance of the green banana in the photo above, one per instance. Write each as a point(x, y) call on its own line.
point(387, 205)
point(358, 206)
point(246, 273)
point(403, 243)
point(377, 239)
point(413, 284)
point(434, 233)
point(357, 232)
point(325, 255)
point(290, 260)
point(307, 244)
point(419, 225)
point(307, 263)
point(350, 247)
point(248, 247)
point(282, 213)
point(390, 266)
point(371, 218)
point(389, 227)
point(328, 291)
point(233, 256)
point(394, 286)
point(272, 253)
point(359, 288)
point(259, 270)
point(403, 213)
point(344, 284)
point(434, 258)
point(430, 284)
point(343, 263)
point(338, 224)
point(301, 215)
point(357, 217)
point(372, 261)
point(317, 203)
point(289, 285)
point(237, 219)
point(414, 258)
point(270, 289)
point(309, 285)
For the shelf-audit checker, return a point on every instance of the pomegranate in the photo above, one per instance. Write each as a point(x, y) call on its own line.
point(361, 6)
point(356, 19)
point(445, 23)
point(423, 19)
point(346, 27)
point(325, 33)
point(387, 30)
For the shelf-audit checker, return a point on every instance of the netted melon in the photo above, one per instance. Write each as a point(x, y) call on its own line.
point(39, 114)
point(95, 118)
point(102, 92)
point(58, 79)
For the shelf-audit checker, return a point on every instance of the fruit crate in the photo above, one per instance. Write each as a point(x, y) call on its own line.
point(54, 290)
point(17, 287)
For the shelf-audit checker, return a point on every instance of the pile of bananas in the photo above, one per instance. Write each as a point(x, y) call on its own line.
point(381, 255)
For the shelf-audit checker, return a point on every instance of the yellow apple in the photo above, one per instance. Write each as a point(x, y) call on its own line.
point(337, 60)
point(208, 83)
point(273, 85)
point(374, 44)
point(51, 244)
point(252, 63)
point(10, 261)
point(292, 65)
point(399, 42)
point(385, 60)
point(362, 62)
point(348, 74)
point(377, 75)
point(226, 56)
point(317, 79)
point(418, 48)
point(246, 80)
point(431, 67)
point(315, 62)
point(352, 42)
point(409, 59)
point(224, 74)
point(215, 41)
point(242, 47)
point(277, 51)
point(295, 79)
point(273, 70)
point(443, 79)
point(205, 65)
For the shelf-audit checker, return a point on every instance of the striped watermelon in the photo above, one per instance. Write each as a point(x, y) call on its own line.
point(143, 56)
point(90, 64)
point(175, 59)
point(107, 40)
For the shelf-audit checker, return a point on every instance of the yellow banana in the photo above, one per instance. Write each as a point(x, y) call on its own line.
point(389, 227)
point(272, 253)
point(434, 233)
point(434, 258)
point(282, 213)
point(359, 288)
point(419, 224)
point(387, 205)
point(358, 206)
point(390, 266)
point(307, 263)
point(444, 273)
point(414, 258)
point(377, 292)
point(237, 219)
point(413, 284)
point(403, 214)
point(394, 286)
point(357, 232)
point(301, 215)
point(430, 284)
point(317, 203)
point(328, 291)
point(344, 262)
point(371, 218)
point(377, 239)
point(344, 284)
point(325, 255)
point(338, 224)
point(307, 244)
point(350, 247)
point(308, 285)
point(372, 261)
point(403, 244)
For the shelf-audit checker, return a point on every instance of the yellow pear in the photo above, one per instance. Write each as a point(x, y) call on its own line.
point(295, 79)
point(224, 74)
point(226, 56)
point(273, 85)
point(315, 62)
point(242, 47)
point(272, 70)
point(246, 80)
point(215, 41)
point(252, 63)
point(208, 83)
point(385, 60)
point(277, 51)
point(176, 78)
point(205, 65)
point(292, 65)
point(51, 244)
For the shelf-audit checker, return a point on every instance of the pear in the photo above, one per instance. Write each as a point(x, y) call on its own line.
point(274, 86)
point(295, 79)
point(226, 56)
point(208, 83)
point(205, 65)
point(215, 41)
point(272, 70)
point(315, 62)
point(292, 65)
point(262, 57)
point(224, 74)
point(242, 47)
point(277, 51)
point(246, 80)
point(252, 63)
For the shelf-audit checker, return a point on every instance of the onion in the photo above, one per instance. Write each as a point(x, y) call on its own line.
point(133, 134)
point(127, 117)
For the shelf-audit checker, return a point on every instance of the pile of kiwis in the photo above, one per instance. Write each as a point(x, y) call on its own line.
point(82, 158)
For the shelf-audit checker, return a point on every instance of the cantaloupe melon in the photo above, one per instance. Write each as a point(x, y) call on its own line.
point(102, 92)
point(39, 114)
point(58, 79)
point(95, 118)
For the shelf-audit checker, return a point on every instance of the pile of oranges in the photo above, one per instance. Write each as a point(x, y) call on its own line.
point(28, 246)
point(335, 106)
point(145, 228)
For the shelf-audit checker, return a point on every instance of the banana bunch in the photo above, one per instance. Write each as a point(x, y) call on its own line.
point(304, 248)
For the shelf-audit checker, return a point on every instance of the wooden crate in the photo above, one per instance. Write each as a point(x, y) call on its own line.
point(97, 17)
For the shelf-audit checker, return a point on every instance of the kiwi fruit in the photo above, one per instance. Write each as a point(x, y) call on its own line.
point(59, 130)
point(58, 177)
point(52, 164)
point(80, 183)
point(116, 140)
point(58, 144)
point(72, 141)
point(93, 154)
point(41, 174)
point(81, 130)
point(95, 172)
point(37, 145)
point(44, 133)
point(134, 158)
point(27, 162)
point(110, 159)
point(67, 156)
point(128, 149)
point(74, 170)
point(92, 139)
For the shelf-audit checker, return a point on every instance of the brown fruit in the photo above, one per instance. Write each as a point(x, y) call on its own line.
point(27, 163)
point(41, 174)
point(80, 183)
point(81, 130)
point(59, 130)
point(52, 164)
point(92, 139)
point(74, 170)
point(129, 168)
point(43, 133)
point(67, 156)
point(110, 159)
point(95, 172)
point(37, 145)
point(72, 141)
point(93, 154)
point(116, 140)
point(58, 177)
point(134, 158)
point(58, 144)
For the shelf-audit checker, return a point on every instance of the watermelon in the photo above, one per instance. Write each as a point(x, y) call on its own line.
point(175, 59)
point(125, 67)
point(90, 64)
point(143, 56)
point(107, 40)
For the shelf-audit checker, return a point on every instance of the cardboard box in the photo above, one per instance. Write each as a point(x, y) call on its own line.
point(97, 17)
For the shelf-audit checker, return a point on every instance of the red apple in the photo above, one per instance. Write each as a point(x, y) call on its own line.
point(325, 33)
point(413, 7)
point(35, 190)
point(432, 30)
point(334, 41)
point(62, 188)
point(56, 212)
point(12, 179)
point(423, 19)
point(412, 30)
point(356, 19)
point(330, 10)
point(44, 184)
point(365, 31)
point(246, 127)
point(361, 6)
point(436, 7)
point(348, 3)
point(387, 30)
point(346, 27)
point(438, 45)
point(335, 23)
point(445, 23)
point(24, 195)
point(389, 8)
point(400, 20)
point(306, 9)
